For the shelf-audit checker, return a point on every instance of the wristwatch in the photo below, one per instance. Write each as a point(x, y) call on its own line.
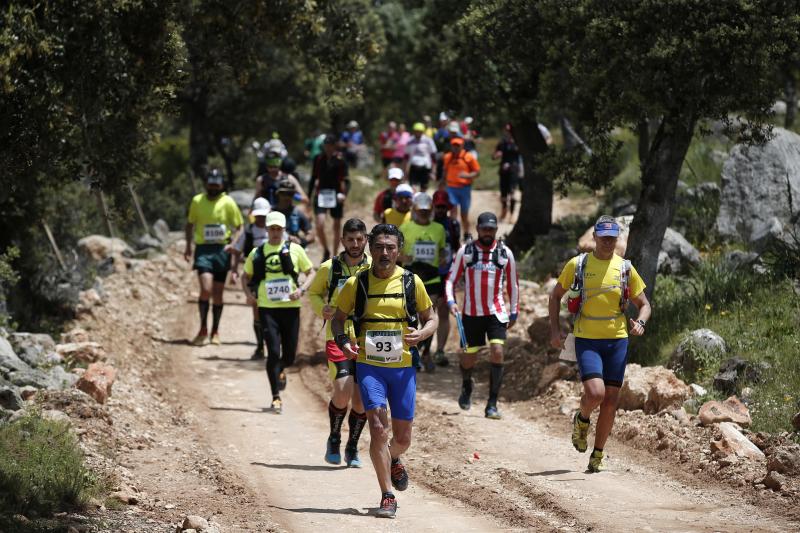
point(641, 322)
point(342, 339)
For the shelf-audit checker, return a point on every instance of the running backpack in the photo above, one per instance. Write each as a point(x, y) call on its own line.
point(388, 196)
point(337, 273)
point(472, 253)
point(260, 265)
point(577, 292)
point(409, 296)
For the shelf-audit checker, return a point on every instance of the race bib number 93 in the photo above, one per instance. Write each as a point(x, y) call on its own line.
point(384, 346)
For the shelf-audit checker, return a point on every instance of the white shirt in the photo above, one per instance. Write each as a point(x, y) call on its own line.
point(419, 151)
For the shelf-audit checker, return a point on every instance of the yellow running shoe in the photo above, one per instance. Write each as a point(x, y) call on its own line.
point(215, 339)
point(277, 406)
point(201, 338)
point(580, 432)
point(596, 462)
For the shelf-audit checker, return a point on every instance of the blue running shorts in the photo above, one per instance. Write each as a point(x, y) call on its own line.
point(382, 386)
point(602, 358)
point(460, 196)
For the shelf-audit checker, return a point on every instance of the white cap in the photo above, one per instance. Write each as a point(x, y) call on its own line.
point(261, 207)
point(468, 120)
point(443, 116)
point(395, 173)
point(453, 127)
point(423, 200)
point(404, 189)
point(352, 124)
point(276, 218)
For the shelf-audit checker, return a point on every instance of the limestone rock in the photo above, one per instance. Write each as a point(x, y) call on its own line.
point(195, 522)
point(75, 335)
point(796, 422)
point(677, 254)
point(9, 360)
point(694, 346)
point(161, 231)
point(33, 348)
point(760, 190)
point(774, 481)
point(539, 331)
point(97, 381)
point(732, 442)
point(731, 410)
point(81, 352)
point(553, 372)
point(651, 389)
point(126, 497)
point(27, 392)
point(785, 459)
point(99, 247)
point(60, 378)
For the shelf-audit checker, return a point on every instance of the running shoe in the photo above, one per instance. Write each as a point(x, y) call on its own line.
point(277, 406)
point(257, 355)
point(332, 454)
point(440, 358)
point(282, 380)
point(465, 400)
point(351, 457)
point(215, 339)
point(388, 507)
point(201, 338)
point(492, 412)
point(597, 462)
point(399, 475)
point(580, 433)
point(430, 366)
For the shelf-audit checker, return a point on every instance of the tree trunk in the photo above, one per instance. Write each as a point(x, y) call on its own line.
point(791, 100)
point(230, 176)
point(656, 205)
point(536, 209)
point(643, 131)
point(199, 130)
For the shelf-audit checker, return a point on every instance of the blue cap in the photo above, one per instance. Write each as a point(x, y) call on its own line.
point(606, 229)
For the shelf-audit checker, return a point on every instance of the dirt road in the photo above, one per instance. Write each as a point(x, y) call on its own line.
point(524, 478)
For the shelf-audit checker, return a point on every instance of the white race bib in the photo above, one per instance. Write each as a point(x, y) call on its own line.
point(425, 251)
point(326, 198)
point(502, 316)
point(278, 290)
point(215, 233)
point(384, 346)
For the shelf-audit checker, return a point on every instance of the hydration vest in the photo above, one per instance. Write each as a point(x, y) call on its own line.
point(260, 265)
point(577, 291)
point(472, 253)
point(337, 273)
point(409, 296)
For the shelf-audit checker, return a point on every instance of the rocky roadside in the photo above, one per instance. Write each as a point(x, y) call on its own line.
point(105, 378)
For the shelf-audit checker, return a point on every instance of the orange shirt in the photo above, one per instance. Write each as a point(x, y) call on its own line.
point(453, 166)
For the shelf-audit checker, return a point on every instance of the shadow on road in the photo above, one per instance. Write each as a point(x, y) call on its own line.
point(349, 510)
point(308, 468)
point(549, 473)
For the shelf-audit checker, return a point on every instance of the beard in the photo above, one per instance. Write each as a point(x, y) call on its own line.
point(355, 253)
point(486, 241)
point(213, 193)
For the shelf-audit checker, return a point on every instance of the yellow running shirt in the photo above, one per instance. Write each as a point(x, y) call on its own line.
point(214, 219)
point(393, 216)
point(386, 337)
point(275, 288)
point(424, 244)
point(601, 281)
point(318, 290)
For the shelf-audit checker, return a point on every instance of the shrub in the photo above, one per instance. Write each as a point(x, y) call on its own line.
point(41, 468)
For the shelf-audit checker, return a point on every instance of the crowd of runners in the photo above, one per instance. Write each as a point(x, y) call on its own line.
point(396, 285)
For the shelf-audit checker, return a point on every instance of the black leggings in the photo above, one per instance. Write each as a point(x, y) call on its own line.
point(281, 327)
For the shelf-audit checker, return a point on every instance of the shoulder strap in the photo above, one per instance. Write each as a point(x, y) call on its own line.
point(500, 254)
point(624, 284)
point(287, 265)
point(362, 293)
point(410, 292)
point(335, 274)
point(580, 268)
point(259, 268)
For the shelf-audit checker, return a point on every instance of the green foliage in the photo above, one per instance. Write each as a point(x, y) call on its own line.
point(166, 192)
point(757, 314)
point(41, 468)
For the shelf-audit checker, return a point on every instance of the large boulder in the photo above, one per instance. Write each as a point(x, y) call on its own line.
point(731, 410)
point(737, 370)
point(760, 190)
point(33, 348)
point(161, 231)
point(99, 247)
point(694, 348)
point(81, 352)
point(11, 399)
point(651, 389)
point(785, 459)
point(677, 255)
point(733, 442)
point(9, 361)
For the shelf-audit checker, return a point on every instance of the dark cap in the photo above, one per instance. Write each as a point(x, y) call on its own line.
point(330, 139)
point(487, 220)
point(286, 186)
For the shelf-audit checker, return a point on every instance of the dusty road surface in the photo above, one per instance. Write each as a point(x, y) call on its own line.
point(467, 473)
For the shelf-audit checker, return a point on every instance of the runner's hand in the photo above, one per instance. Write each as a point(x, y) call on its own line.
point(636, 328)
point(328, 312)
point(234, 278)
point(229, 248)
point(340, 197)
point(557, 339)
point(350, 350)
point(251, 300)
point(454, 309)
point(413, 337)
point(187, 254)
point(296, 294)
point(511, 324)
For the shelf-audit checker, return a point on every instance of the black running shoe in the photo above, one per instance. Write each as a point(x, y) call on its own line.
point(388, 507)
point(399, 475)
point(257, 355)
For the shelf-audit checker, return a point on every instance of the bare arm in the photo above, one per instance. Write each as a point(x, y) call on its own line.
point(430, 321)
point(645, 310)
point(554, 309)
point(189, 234)
point(350, 348)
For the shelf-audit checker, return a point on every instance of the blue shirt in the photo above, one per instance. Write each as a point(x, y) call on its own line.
point(355, 137)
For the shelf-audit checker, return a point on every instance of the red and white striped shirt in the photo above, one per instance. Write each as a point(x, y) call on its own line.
point(484, 283)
